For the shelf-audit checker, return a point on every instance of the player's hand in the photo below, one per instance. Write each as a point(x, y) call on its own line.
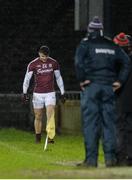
point(84, 84)
point(116, 85)
point(63, 98)
point(25, 98)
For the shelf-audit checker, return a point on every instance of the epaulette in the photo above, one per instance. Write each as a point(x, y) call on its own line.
point(108, 38)
point(85, 39)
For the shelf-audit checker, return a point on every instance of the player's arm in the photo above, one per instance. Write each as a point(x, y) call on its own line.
point(26, 81)
point(59, 81)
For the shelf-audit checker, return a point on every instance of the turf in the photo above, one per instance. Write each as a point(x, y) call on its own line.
point(21, 158)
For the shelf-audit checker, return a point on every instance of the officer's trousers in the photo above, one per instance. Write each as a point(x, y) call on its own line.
point(99, 119)
point(124, 138)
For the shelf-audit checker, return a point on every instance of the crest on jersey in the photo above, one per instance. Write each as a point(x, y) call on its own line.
point(50, 65)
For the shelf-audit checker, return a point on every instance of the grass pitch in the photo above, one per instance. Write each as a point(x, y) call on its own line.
point(21, 158)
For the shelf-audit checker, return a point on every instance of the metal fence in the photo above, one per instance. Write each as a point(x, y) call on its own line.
point(15, 114)
point(70, 95)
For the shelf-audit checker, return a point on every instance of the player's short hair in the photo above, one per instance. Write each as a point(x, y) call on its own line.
point(45, 50)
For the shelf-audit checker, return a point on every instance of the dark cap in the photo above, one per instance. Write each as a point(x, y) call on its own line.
point(95, 24)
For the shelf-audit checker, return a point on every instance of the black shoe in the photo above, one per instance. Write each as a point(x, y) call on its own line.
point(38, 138)
point(51, 141)
point(129, 162)
point(86, 164)
point(122, 163)
point(111, 163)
point(122, 160)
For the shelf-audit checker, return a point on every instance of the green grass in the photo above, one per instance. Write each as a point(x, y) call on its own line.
point(21, 158)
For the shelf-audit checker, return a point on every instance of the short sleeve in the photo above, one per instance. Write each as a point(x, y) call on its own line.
point(56, 66)
point(30, 67)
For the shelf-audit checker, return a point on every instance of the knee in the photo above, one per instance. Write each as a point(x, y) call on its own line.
point(38, 117)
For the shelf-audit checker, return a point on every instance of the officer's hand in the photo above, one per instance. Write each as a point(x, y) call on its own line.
point(63, 98)
point(25, 98)
point(116, 85)
point(84, 83)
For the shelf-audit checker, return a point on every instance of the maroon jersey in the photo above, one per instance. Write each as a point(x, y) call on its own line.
point(43, 74)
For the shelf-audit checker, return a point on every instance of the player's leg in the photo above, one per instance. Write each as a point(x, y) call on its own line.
point(38, 123)
point(38, 103)
point(50, 127)
point(50, 101)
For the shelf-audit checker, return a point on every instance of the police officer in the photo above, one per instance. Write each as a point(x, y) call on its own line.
point(124, 104)
point(95, 64)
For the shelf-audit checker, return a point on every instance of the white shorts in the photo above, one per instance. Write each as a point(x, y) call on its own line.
point(43, 99)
